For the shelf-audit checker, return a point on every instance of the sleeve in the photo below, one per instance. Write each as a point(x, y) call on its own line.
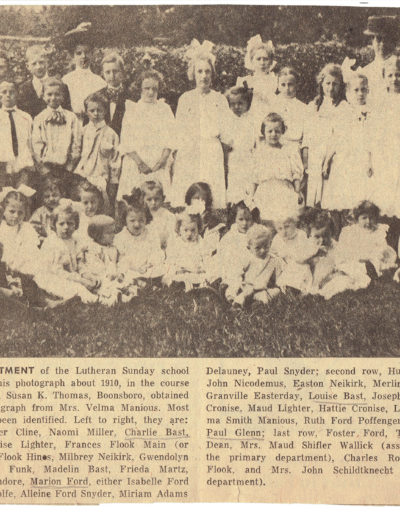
point(296, 164)
point(38, 139)
point(128, 129)
point(169, 127)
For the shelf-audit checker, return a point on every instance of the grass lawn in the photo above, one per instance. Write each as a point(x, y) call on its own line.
point(170, 323)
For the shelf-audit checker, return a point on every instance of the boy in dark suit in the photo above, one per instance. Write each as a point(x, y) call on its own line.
point(30, 97)
point(116, 92)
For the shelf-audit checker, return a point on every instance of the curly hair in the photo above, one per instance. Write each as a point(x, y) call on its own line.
point(335, 71)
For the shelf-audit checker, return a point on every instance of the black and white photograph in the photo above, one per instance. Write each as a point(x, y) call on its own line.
point(199, 181)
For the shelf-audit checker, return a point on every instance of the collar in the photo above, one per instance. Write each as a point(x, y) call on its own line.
point(7, 110)
point(96, 127)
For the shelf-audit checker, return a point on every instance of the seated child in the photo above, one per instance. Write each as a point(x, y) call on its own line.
point(16, 162)
point(91, 204)
point(254, 275)
point(61, 259)
point(199, 197)
point(186, 255)
point(19, 239)
point(292, 247)
point(56, 134)
point(163, 221)
point(102, 262)
point(100, 162)
point(138, 245)
point(50, 196)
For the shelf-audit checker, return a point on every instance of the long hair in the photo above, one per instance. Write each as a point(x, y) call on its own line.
point(335, 71)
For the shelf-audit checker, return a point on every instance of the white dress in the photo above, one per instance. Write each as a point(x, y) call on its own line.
point(318, 132)
point(147, 129)
point(294, 113)
point(240, 135)
point(81, 83)
point(275, 169)
point(164, 224)
point(201, 120)
point(20, 247)
point(348, 183)
point(141, 255)
point(185, 263)
point(264, 88)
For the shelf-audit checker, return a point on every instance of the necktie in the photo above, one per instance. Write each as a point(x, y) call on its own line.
point(113, 94)
point(13, 133)
point(56, 118)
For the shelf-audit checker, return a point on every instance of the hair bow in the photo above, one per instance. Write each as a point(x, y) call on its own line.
point(197, 207)
point(197, 50)
point(254, 43)
point(23, 189)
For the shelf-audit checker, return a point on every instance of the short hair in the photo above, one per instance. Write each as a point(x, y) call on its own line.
point(97, 225)
point(192, 66)
point(134, 202)
point(64, 209)
point(97, 97)
point(243, 91)
point(51, 82)
point(113, 57)
point(273, 118)
point(233, 211)
point(188, 217)
point(288, 70)
point(320, 220)
point(258, 232)
point(367, 208)
point(353, 76)
point(151, 186)
point(204, 190)
point(13, 195)
point(87, 187)
point(35, 50)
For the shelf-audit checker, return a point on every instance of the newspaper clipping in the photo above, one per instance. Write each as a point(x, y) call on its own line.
point(199, 239)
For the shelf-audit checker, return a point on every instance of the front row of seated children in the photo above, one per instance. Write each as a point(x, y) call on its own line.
point(72, 249)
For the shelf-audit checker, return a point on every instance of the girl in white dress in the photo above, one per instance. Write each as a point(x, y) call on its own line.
point(61, 258)
point(278, 171)
point(240, 137)
point(259, 60)
point(318, 129)
point(147, 137)
point(139, 245)
point(291, 109)
point(163, 221)
point(201, 118)
point(91, 204)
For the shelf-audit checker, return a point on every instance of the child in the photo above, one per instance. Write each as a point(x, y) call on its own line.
point(199, 197)
point(30, 98)
point(185, 258)
point(19, 239)
point(260, 60)
point(56, 133)
point(138, 245)
point(292, 247)
point(116, 91)
point(361, 252)
point(163, 221)
point(292, 110)
point(254, 275)
point(100, 161)
point(241, 139)
point(81, 82)
point(50, 193)
point(146, 138)
point(16, 163)
point(322, 114)
point(348, 168)
point(61, 259)
point(91, 203)
point(102, 262)
point(278, 171)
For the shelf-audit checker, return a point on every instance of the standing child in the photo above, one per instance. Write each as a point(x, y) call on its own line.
point(323, 111)
point(146, 138)
point(292, 110)
point(278, 171)
point(100, 161)
point(61, 259)
point(185, 258)
point(163, 221)
point(56, 134)
point(240, 136)
point(255, 273)
point(259, 60)
point(50, 196)
point(138, 245)
point(16, 163)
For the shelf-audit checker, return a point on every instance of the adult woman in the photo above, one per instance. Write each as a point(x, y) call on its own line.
point(201, 115)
